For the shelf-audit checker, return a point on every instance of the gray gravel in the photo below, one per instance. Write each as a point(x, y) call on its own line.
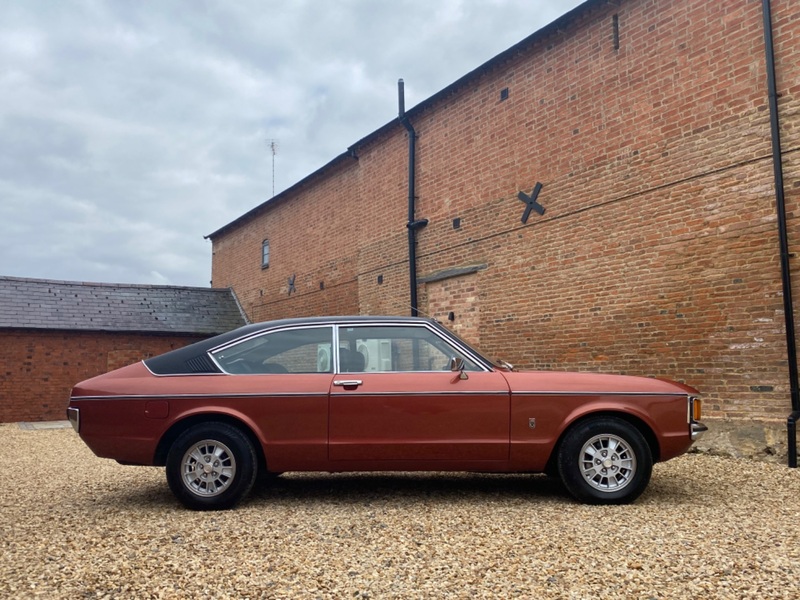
point(76, 526)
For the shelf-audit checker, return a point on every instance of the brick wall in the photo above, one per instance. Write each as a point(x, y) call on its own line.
point(39, 368)
point(455, 303)
point(658, 251)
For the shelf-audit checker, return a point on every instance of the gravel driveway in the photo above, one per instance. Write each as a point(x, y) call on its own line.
point(76, 526)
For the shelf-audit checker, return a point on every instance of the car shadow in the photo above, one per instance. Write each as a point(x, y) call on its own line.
point(355, 489)
point(155, 496)
point(406, 488)
point(401, 489)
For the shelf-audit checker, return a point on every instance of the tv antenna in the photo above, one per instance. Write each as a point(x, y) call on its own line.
point(273, 146)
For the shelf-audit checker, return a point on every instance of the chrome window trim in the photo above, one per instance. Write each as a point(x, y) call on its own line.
point(264, 332)
point(479, 361)
point(335, 351)
point(435, 329)
point(149, 370)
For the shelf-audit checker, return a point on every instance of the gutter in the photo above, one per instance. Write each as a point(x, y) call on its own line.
point(413, 224)
point(780, 205)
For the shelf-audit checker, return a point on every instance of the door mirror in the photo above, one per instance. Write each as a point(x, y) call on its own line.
point(457, 364)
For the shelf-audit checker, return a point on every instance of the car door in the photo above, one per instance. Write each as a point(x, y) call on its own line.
point(280, 382)
point(394, 398)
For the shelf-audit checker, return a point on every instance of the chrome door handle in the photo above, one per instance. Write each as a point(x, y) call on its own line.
point(347, 382)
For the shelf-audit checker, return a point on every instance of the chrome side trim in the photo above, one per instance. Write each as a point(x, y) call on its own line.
point(418, 394)
point(281, 395)
point(594, 393)
point(367, 393)
point(199, 396)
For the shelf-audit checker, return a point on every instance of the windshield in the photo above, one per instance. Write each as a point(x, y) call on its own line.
point(498, 364)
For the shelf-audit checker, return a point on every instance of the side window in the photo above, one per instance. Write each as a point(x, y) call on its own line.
point(395, 348)
point(264, 254)
point(303, 350)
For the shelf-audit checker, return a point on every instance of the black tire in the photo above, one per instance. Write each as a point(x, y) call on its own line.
point(211, 466)
point(605, 460)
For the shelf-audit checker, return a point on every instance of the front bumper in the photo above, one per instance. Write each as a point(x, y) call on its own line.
point(698, 429)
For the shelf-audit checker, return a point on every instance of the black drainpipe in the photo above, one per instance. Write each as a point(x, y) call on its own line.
point(788, 306)
point(412, 224)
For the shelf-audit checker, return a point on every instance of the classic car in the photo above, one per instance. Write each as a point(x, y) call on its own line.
point(375, 394)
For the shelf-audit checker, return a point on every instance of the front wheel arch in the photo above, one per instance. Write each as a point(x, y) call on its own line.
point(655, 449)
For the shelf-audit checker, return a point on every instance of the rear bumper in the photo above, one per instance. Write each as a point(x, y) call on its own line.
point(74, 417)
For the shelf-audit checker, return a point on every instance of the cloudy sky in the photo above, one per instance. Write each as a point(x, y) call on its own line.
point(131, 129)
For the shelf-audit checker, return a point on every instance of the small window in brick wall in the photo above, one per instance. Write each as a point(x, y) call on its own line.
point(264, 254)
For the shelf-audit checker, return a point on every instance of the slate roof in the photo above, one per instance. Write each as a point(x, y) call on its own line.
point(70, 305)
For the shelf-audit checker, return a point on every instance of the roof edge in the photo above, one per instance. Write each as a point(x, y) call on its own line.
point(147, 286)
point(245, 318)
point(552, 27)
point(284, 194)
point(119, 331)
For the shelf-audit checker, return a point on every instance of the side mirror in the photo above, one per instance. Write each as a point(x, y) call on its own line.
point(457, 364)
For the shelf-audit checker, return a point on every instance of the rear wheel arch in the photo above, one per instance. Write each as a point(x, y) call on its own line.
point(177, 428)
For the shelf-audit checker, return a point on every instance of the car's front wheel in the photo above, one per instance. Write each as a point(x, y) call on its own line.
point(605, 460)
point(211, 466)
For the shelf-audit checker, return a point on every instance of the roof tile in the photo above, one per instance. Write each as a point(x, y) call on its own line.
point(70, 305)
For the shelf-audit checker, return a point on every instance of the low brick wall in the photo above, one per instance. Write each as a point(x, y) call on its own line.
point(39, 368)
point(759, 440)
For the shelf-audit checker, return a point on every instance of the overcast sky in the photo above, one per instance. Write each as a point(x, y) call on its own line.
point(131, 129)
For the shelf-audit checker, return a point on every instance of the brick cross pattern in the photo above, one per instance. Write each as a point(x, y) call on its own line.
point(531, 202)
point(291, 284)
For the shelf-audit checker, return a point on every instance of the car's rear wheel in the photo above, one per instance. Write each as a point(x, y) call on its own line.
point(211, 466)
point(605, 460)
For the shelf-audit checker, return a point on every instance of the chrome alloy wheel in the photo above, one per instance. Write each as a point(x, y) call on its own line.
point(208, 468)
point(607, 463)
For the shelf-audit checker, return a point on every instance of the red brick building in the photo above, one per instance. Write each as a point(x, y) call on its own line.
point(648, 125)
point(56, 333)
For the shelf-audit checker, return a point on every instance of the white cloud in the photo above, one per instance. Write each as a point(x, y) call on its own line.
point(130, 130)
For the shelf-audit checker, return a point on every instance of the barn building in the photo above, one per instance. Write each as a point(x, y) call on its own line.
point(54, 334)
point(601, 197)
